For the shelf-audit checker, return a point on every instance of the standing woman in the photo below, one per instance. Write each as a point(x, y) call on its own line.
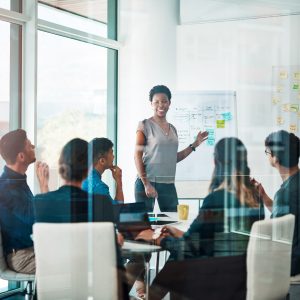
point(156, 154)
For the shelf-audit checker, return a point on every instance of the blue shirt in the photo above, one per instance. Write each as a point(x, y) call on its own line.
point(16, 211)
point(93, 184)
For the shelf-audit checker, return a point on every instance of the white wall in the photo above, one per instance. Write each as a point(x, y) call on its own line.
point(147, 31)
point(235, 55)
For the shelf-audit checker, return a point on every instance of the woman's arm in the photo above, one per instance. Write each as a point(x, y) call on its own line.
point(201, 137)
point(138, 159)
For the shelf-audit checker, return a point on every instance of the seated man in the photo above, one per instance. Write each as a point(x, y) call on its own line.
point(70, 203)
point(16, 209)
point(101, 150)
point(282, 149)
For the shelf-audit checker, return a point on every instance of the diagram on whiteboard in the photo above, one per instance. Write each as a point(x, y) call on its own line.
point(192, 112)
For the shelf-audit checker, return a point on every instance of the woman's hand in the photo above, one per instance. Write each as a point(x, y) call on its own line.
point(146, 235)
point(150, 190)
point(201, 137)
point(172, 231)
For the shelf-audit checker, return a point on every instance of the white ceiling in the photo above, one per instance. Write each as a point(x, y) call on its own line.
point(92, 9)
point(202, 11)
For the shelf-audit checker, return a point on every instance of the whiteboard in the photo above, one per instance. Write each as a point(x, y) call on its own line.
point(213, 111)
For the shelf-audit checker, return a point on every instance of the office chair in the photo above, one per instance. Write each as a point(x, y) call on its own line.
point(75, 261)
point(269, 258)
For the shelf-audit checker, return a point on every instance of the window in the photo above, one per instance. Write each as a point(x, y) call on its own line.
point(72, 95)
point(13, 5)
point(9, 80)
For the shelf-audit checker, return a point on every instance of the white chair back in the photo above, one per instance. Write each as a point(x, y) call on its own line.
point(269, 258)
point(75, 261)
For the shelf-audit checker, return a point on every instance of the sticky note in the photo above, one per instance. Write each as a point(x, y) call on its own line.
point(298, 115)
point(283, 75)
point(279, 89)
point(280, 120)
point(275, 100)
point(286, 107)
point(211, 137)
point(296, 86)
point(220, 123)
point(294, 107)
point(297, 75)
point(293, 128)
point(227, 116)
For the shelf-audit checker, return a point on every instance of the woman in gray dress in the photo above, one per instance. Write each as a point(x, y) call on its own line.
point(156, 154)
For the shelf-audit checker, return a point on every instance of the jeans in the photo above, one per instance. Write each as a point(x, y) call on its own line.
point(167, 196)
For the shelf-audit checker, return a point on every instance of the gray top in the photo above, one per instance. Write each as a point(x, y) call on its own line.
point(160, 151)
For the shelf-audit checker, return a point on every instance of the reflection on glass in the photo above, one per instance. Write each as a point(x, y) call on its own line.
point(72, 95)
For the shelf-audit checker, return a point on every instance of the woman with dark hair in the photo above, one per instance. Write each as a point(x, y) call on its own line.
point(156, 154)
point(227, 213)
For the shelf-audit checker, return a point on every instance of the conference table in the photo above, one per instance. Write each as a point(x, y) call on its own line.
point(132, 247)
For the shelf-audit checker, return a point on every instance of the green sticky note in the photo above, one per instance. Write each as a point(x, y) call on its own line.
point(296, 86)
point(220, 123)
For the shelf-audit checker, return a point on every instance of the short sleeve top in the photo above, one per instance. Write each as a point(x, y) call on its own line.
point(160, 151)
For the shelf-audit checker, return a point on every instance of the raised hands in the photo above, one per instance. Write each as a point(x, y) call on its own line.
point(42, 172)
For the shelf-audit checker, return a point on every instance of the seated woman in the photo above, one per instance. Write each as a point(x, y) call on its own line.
point(226, 215)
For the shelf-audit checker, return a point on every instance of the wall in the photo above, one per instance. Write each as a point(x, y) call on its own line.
point(147, 31)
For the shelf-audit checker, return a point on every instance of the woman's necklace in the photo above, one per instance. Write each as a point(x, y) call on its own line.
point(165, 127)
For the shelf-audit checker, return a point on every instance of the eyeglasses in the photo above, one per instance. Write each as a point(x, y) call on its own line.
point(268, 152)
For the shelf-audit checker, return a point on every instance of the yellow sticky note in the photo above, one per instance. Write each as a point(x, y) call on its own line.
point(297, 75)
point(280, 120)
point(294, 107)
point(298, 114)
point(220, 123)
point(283, 75)
point(275, 100)
point(293, 128)
point(279, 88)
point(286, 107)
